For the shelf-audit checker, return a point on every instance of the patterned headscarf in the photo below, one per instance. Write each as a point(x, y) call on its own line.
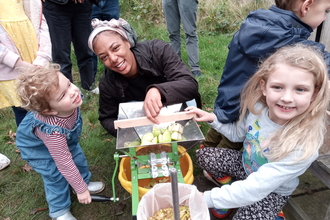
point(120, 26)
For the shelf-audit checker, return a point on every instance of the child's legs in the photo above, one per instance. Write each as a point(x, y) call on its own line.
point(220, 162)
point(216, 139)
point(80, 160)
point(265, 209)
point(56, 187)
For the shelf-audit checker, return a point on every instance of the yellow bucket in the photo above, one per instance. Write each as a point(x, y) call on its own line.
point(124, 175)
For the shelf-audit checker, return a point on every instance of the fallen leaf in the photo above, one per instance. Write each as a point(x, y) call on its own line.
point(309, 191)
point(27, 168)
point(11, 142)
point(92, 126)
point(120, 208)
point(106, 140)
point(17, 151)
point(33, 212)
point(11, 135)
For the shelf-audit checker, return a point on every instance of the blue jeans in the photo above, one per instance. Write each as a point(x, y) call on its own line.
point(185, 11)
point(70, 23)
point(57, 188)
point(106, 10)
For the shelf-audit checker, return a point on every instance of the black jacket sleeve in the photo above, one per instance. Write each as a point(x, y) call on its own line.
point(108, 105)
point(180, 85)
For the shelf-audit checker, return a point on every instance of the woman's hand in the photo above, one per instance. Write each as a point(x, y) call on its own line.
point(153, 104)
point(85, 197)
point(200, 114)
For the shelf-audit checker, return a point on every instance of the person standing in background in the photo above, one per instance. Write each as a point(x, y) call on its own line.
point(175, 12)
point(69, 21)
point(24, 41)
point(104, 10)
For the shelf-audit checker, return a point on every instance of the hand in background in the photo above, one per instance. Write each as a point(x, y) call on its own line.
point(153, 104)
point(200, 114)
point(20, 63)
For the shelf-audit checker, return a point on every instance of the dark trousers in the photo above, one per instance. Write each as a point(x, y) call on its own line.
point(106, 10)
point(220, 162)
point(19, 114)
point(216, 139)
point(71, 23)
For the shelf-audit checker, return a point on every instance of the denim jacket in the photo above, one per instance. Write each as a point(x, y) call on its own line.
point(32, 148)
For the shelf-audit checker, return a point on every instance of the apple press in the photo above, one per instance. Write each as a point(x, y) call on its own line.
point(157, 159)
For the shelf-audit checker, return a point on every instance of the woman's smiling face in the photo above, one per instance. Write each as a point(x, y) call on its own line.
point(115, 53)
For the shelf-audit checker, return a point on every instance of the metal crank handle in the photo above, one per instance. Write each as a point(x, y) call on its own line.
point(99, 198)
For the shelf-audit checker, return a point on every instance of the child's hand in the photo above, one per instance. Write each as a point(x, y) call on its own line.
point(85, 197)
point(200, 114)
point(20, 63)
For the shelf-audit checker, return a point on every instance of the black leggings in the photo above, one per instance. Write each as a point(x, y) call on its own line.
point(220, 162)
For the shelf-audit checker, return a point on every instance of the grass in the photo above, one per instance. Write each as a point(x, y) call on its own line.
point(22, 194)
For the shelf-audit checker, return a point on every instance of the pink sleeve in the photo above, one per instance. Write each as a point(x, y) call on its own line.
point(44, 54)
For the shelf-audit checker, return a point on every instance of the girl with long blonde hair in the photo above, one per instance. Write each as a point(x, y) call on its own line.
point(282, 125)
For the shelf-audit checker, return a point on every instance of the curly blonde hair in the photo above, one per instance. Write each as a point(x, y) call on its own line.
point(306, 131)
point(34, 85)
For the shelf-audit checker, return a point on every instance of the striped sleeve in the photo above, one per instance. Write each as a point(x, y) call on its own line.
point(59, 150)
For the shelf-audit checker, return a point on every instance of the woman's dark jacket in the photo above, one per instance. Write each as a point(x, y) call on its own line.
point(158, 63)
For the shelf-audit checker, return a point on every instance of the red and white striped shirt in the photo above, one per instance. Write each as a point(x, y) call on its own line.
point(59, 150)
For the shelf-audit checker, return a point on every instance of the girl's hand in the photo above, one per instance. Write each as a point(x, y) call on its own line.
point(20, 63)
point(85, 197)
point(200, 114)
point(153, 104)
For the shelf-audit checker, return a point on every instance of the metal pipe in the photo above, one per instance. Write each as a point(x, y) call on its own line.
point(175, 193)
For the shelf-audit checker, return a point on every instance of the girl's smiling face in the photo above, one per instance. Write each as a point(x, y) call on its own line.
point(65, 99)
point(288, 91)
point(115, 53)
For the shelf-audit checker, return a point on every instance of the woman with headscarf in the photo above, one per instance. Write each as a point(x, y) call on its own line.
point(148, 71)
